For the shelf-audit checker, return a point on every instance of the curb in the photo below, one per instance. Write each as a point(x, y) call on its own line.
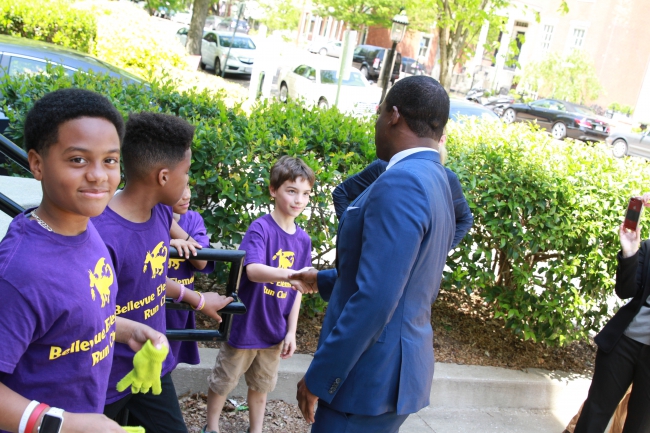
point(454, 386)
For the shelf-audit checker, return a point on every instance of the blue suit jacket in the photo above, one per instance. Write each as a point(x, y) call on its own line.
point(353, 186)
point(375, 352)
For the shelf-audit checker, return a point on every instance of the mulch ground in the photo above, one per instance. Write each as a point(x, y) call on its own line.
point(464, 333)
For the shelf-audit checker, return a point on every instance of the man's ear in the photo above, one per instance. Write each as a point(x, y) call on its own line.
point(394, 116)
point(163, 176)
point(272, 191)
point(35, 161)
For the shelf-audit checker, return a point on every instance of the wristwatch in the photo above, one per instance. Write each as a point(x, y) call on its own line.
point(52, 421)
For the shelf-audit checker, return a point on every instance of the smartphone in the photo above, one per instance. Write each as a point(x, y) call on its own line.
point(633, 213)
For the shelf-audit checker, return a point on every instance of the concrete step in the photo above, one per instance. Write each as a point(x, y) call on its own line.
point(455, 387)
point(430, 420)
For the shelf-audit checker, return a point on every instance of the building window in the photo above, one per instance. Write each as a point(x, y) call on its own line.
point(425, 42)
point(577, 39)
point(547, 36)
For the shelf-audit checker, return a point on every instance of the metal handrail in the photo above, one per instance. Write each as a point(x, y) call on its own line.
point(236, 259)
point(17, 154)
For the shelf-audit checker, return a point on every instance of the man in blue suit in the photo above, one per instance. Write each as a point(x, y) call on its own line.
point(374, 363)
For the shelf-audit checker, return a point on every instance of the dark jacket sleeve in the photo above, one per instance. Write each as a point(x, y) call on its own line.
point(630, 283)
point(462, 212)
point(347, 191)
point(629, 273)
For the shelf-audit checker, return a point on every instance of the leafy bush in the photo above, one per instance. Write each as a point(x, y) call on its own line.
point(54, 21)
point(545, 237)
point(543, 246)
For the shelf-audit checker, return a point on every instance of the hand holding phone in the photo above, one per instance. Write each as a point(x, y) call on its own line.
point(633, 213)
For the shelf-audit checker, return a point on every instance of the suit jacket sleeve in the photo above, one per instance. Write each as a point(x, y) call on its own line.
point(396, 218)
point(462, 212)
point(347, 191)
point(629, 273)
point(326, 280)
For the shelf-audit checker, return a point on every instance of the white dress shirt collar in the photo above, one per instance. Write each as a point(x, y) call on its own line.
point(404, 153)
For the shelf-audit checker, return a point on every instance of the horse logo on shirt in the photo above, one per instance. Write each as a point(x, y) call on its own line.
point(286, 259)
point(156, 259)
point(101, 280)
point(175, 263)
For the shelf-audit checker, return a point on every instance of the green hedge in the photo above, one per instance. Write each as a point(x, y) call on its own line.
point(54, 21)
point(542, 249)
point(545, 237)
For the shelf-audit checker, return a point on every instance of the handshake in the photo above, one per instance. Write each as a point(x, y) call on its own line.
point(304, 280)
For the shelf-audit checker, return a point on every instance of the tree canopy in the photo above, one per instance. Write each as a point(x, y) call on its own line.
point(571, 78)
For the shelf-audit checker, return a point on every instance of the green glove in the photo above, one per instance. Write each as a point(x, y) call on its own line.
point(134, 429)
point(147, 366)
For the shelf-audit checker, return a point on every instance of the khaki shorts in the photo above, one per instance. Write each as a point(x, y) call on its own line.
point(260, 367)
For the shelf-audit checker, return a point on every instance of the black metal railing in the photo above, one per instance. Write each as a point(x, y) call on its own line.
point(15, 153)
point(234, 257)
point(236, 260)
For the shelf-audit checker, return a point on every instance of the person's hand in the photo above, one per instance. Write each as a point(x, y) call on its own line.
point(646, 199)
point(630, 240)
point(213, 303)
point(305, 280)
point(288, 345)
point(86, 422)
point(185, 247)
point(141, 333)
point(306, 401)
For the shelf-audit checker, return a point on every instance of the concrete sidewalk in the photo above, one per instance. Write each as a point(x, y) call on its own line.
point(463, 398)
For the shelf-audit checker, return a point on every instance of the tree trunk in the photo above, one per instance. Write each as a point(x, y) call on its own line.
point(150, 8)
point(195, 34)
point(447, 58)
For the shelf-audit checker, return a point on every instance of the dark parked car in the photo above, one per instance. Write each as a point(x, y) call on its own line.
point(563, 119)
point(228, 25)
point(411, 66)
point(630, 143)
point(20, 56)
point(370, 58)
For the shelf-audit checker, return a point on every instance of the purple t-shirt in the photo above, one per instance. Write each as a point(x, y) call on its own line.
point(140, 253)
point(182, 271)
point(57, 316)
point(268, 304)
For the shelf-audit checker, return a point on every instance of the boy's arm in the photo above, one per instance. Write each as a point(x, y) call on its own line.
point(135, 334)
point(213, 301)
point(14, 405)
point(260, 273)
point(289, 345)
point(199, 265)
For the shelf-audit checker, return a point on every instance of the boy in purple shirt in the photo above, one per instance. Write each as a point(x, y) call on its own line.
point(57, 315)
point(182, 271)
point(136, 229)
point(274, 246)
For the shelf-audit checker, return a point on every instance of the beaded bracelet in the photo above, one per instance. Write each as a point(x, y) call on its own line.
point(28, 411)
point(33, 418)
point(201, 302)
point(180, 297)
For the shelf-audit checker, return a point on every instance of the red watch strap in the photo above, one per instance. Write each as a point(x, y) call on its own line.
point(33, 418)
